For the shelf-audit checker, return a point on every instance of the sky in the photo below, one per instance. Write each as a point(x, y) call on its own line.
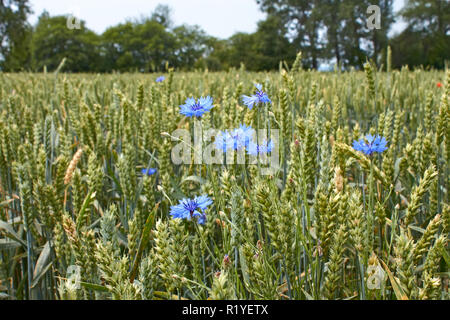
point(219, 18)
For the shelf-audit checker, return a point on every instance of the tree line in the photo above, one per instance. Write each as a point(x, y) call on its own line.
point(332, 32)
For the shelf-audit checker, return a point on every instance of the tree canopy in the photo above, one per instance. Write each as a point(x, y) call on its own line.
point(326, 32)
point(15, 33)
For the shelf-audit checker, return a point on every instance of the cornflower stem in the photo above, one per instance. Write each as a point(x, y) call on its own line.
point(362, 273)
point(385, 225)
point(257, 143)
point(363, 190)
point(206, 245)
point(393, 229)
point(204, 268)
point(317, 273)
point(370, 208)
point(199, 166)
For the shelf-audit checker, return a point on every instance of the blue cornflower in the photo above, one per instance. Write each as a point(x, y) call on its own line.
point(265, 147)
point(193, 108)
point(201, 219)
point(259, 97)
point(373, 144)
point(224, 141)
point(149, 172)
point(189, 208)
point(160, 79)
point(244, 134)
point(237, 139)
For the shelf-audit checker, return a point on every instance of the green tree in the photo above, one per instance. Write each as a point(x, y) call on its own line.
point(163, 15)
point(346, 39)
point(379, 37)
point(52, 41)
point(242, 50)
point(332, 16)
point(15, 35)
point(428, 16)
point(191, 45)
point(426, 40)
point(142, 47)
point(272, 44)
point(115, 48)
point(354, 32)
point(216, 56)
point(302, 18)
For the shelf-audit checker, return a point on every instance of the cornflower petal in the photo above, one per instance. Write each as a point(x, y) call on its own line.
point(370, 145)
point(265, 147)
point(193, 108)
point(149, 172)
point(189, 208)
point(258, 86)
point(250, 101)
point(260, 97)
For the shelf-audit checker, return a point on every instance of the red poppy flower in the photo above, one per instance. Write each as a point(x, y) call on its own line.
point(439, 84)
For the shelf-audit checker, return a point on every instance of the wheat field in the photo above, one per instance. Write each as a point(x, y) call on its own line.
point(82, 216)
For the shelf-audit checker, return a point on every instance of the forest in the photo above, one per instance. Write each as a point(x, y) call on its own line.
point(328, 33)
